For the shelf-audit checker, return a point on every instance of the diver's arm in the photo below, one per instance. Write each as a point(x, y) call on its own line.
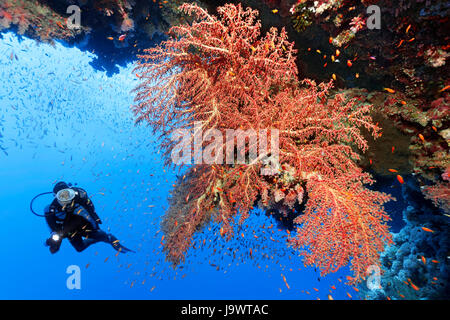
point(50, 218)
point(86, 202)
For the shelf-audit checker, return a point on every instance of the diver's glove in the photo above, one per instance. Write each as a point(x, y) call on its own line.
point(54, 242)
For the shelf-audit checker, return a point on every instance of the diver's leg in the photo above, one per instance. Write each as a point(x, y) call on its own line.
point(100, 235)
point(81, 244)
point(78, 243)
point(97, 235)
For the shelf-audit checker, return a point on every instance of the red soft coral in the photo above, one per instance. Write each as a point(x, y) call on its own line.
point(219, 73)
point(343, 222)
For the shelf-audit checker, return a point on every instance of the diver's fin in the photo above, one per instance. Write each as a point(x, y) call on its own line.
point(121, 248)
point(117, 246)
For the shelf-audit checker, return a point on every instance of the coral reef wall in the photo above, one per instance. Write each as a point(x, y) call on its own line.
point(416, 265)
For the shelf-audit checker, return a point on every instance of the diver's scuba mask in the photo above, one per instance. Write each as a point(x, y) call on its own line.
point(65, 196)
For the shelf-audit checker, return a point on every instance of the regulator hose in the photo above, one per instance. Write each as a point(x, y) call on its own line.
point(31, 204)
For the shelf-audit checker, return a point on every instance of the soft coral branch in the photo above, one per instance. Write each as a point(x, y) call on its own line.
point(343, 221)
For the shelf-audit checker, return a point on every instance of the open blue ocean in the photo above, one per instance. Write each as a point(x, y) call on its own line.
point(61, 119)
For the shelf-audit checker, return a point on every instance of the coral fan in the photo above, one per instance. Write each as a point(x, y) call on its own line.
point(343, 221)
point(221, 74)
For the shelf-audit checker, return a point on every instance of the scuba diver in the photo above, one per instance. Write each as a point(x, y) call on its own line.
point(72, 215)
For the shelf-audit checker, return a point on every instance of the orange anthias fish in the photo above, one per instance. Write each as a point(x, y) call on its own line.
point(285, 281)
point(413, 285)
point(421, 137)
point(122, 37)
point(392, 170)
point(427, 230)
point(424, 260)
point(400, 179)
point(389, 90)
point(445, 88)
point(407, 29)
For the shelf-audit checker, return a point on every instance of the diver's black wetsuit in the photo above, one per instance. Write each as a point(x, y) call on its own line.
point(76, 221)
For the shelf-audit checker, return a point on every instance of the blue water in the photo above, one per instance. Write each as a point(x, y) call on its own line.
point(60, 119)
